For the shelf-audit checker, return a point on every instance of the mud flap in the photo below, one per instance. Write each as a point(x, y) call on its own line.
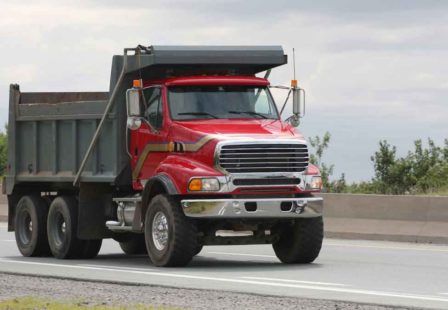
point(95, 201)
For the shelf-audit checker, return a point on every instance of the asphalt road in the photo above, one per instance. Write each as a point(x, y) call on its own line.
point(385, 273)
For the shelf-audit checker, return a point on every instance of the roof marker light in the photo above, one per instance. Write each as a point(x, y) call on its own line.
point(137, 83)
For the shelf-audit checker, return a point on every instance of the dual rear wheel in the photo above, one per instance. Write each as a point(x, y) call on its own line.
point(42, 230)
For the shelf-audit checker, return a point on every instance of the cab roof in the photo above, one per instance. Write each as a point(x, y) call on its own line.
point(160, 61)
point(211, 80)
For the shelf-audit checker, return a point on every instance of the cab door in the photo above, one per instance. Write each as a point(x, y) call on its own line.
point(150, 146)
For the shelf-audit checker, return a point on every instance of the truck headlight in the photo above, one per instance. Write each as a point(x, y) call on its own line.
point(203, 185)
point(315, 183)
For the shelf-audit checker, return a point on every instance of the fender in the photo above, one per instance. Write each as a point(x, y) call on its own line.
point(181, 168)
point(160, 183)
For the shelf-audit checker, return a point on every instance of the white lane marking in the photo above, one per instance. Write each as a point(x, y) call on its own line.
point(7, 241)
point(249, 278)
point(241, 254)
point(119, 267)
point(229, 280)
point(443, 293)
point(295, 281)
point(388, 247)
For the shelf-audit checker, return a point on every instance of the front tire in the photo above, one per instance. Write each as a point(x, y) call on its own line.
point(171, 238)
point(31, 226)
point(300, 242)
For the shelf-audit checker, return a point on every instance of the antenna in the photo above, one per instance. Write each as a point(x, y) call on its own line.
point(294, 61)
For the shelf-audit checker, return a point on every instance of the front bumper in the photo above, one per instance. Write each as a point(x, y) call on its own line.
point(254, 208)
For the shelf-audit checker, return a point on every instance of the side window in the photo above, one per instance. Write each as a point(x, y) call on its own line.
point(153, 108)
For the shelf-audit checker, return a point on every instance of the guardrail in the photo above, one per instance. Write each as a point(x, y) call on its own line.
point(384, 217)
point(377, 217)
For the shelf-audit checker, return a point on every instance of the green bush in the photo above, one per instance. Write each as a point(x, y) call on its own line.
point(423, 170)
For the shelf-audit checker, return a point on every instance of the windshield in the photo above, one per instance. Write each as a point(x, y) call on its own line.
point(211, 102)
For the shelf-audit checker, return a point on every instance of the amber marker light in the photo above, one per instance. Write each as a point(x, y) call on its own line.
point(195, 185)
point(171, 147)
point(137, 83)
point(294, 83)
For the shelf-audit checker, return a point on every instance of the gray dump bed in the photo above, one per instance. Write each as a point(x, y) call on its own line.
point(49, 133)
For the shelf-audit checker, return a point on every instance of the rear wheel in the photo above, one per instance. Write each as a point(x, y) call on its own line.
point(171, 238)
point(300, 242)
point(198, 250)
point(90, 248)
point(31, 226)
point(61, 227)
point(134, 244)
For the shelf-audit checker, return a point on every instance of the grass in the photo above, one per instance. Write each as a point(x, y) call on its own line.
point(442, 192)
point(31, 303)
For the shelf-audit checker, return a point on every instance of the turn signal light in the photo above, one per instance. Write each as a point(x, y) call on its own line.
point(204, 185)
point(195, 185)
point(294, 83)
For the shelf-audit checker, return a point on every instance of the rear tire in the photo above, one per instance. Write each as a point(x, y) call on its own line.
point(31, 226)
point(61, 228)
point(171, 238)
point(134, 245)
point(300, 243)
point(90, 248)
point(198, 250)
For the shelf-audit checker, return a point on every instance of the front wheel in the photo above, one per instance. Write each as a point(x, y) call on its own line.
point(300, 242)
point(171, 238)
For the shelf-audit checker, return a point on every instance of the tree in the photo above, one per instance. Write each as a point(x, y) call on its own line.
point(391, 174)
point(424, 170)
point(320, 145)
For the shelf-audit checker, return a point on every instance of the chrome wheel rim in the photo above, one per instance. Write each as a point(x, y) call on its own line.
point(160, 231)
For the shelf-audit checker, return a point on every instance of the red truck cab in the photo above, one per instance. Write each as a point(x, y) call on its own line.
point(185, 118)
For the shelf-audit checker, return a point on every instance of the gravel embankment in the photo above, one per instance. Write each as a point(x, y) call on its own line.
point(95, 293)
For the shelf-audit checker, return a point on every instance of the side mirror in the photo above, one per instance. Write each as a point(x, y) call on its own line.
point(133, 108)
point(133, 103)
point(298, 100)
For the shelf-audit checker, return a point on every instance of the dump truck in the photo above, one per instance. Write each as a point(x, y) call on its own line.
point(186, 149)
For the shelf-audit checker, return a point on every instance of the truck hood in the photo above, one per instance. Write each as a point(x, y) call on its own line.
point(254, 128)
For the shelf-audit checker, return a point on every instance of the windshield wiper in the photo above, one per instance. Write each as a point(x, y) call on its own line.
point(248, 112)
point(197, 113)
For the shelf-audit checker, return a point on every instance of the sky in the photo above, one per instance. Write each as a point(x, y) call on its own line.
point(372, 70)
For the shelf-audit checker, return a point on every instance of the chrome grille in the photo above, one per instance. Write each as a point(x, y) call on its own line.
point(263, 158)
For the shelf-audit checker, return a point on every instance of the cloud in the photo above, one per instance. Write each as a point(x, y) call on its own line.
point(372, 70)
